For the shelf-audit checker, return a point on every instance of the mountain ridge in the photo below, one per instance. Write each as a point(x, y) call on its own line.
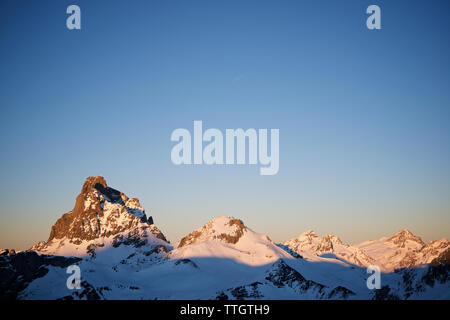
point(123, 255)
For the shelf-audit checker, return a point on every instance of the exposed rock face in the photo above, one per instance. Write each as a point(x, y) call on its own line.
point(424, 254)
point(84, 221)
point(122, 255)
point(402, 250)
point(102, 217)
point(328, 242)
point(328, 245)
point(7, 252)
point(281, 276)
point(402, 238)
point(229, 230)
point(439, 269)
point(409, 260)
point(416, 281)
point(385, 293)
point(442, 260)
point(17, 270)
point(102, 220)
point(251, 291)
point(187, 262)
point(340, 293)
point(433, 249)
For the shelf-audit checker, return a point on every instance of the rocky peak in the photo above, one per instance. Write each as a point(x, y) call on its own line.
point(442, 259)
point(99, 211)
point(443, 243)
point(327, 243)
point(403, 236)
point(307, 237)
point(93, 182)
point(311, 240)
point(309, 234)
point(227, 229)
point(404, 232)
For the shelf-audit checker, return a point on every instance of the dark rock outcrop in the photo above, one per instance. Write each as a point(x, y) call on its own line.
point(237, 229)
point(18, 270)
point(439, 269)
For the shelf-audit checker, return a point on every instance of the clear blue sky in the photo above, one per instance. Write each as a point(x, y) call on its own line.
point(364, 116)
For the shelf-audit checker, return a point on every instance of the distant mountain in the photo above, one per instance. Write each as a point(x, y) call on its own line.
point(123, 255)
point(412, 268)
point(403, 250)
point(329, 246)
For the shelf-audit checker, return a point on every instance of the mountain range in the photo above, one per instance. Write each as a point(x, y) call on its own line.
point(123, 255)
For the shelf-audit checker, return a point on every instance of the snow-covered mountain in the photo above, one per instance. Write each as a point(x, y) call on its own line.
point(411, 268)
point(309, 245)
point(101, 218)
point(104, 230)
point(123, 255)
point(403, 250)
point(234, 262)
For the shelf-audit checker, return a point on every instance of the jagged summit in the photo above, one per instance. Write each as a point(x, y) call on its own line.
point(311, 237)
point(403, 236)
point(101, 215)
point(83, 222)
point(122, 255)
point(308, 234)
point(310, 245)
point(402, 250)
point(403, 232)
point(223, 259)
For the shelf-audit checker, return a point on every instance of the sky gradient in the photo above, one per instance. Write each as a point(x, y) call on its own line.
point(363, 115)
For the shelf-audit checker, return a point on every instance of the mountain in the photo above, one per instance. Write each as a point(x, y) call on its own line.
point(402, 250)
point(101, 218)
point(224, 259)
point(121, 254)
point(226, 237)
point(310, 246)
point(412, 269)
point(104, 227)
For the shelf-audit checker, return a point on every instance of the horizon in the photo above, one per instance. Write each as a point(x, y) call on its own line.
point(177, 240)
point(363, 115)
